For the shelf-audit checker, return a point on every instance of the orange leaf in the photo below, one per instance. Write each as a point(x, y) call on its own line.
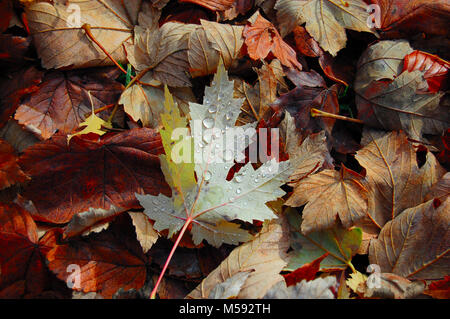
point(262, 38)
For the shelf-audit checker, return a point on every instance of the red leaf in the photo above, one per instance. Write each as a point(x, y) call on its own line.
point(439, 289)
point(10, 172)
point(435, 69)
point(262, 38)
point(306, 272)
point(92, 173)
point(23, 270)
point(110, 260)
point(214, 5)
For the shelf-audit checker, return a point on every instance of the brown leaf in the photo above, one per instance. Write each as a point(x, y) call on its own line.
point(146, 103)
point(62, 101)
point(259, 97)
point(325, 20)
point(145, 233)
point(395, 180)
point(308, 155)
point(344, 189)
point(261, 38)
point(305, 43)
point(265, 255)
point(226, 39)
point(68, 179)
point(162, 53)
point(416, 243)
point(61, 43)
point(440, 190)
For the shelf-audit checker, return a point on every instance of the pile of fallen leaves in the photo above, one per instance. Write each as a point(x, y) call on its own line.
point(94, 205)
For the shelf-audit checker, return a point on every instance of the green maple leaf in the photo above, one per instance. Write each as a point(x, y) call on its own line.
point(200, 191)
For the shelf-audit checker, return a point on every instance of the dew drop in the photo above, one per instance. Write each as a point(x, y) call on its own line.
point(238, 191)
point(238, 178)
point(229, 115)
point(207, 138)
point(208, 122)
point(212, 109)
point(207, 176)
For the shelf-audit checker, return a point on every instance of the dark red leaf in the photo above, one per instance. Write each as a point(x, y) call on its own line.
point(10, 172)
point(68, 179)
point(22, 254)
point(306, 272)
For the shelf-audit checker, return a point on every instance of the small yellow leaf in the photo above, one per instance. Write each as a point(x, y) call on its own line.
point(355, 280)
